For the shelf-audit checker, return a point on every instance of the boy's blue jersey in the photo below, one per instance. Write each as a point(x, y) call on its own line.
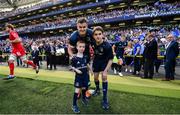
point(81, 64)
point(103, 52)
point(81, 80)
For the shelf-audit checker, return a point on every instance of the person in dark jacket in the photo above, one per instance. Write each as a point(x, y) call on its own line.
point(150, 55)
point(172, 51)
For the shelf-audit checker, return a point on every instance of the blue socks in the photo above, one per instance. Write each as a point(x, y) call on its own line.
point(75, 99)
point(105, 87)
point(97, 84)
point(84, 93)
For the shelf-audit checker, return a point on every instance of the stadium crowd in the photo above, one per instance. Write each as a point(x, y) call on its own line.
point(59, 43)
point(157, 8)
point(28, 8)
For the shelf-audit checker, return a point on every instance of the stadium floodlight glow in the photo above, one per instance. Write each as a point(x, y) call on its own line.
point(46, 9)
point(122, 6)
point(88, 9)
point(139, 22)
point(60, 6)
point(111, 5)
point(70, 13)
point(78, 1)
point(70, 30)
point(18, 16)
point(176, 19)
point(173, 21)
point(98, 8)
point(162, 0)
point(60, 30)
point(107, 25)
point(158, 20)
point(51, 32)
point(136, 1)
point(122, 3)
point(121, 24)
point(70, 3)
point(40, 10)
point(54, 7)
point(29, 14)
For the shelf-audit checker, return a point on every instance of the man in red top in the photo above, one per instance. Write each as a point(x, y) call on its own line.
point(17, 51)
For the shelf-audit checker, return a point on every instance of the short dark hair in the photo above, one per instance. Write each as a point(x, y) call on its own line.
point(82, 20)
point(80, 42)
point(98, 28)
point(10, 26)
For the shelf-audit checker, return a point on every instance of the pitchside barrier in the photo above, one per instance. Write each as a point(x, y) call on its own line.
point(5, 55)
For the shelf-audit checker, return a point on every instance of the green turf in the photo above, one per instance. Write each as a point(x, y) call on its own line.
point(154, 87)
point(35, 96)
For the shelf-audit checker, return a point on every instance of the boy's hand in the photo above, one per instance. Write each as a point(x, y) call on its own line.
point(91, 72)
point(78, 71)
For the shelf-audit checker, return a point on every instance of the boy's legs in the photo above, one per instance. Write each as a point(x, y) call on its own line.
point(75, 97)
point(96, 81)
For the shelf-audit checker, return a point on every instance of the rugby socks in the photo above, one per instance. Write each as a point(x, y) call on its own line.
point(83, 93)
point(31, 63)
point(11, 68)
point(105, 87)
point(75, 99)
point(97, 84)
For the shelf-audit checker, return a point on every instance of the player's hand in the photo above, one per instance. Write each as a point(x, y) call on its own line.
point(78, 71)
point(104, 73)
point(114, 54)
point(70, 57)
point(7, 40)
point(91, 72)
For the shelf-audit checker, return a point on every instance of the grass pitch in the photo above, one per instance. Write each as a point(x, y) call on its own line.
point(52, 91)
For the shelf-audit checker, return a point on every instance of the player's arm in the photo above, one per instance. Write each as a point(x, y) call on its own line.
point(17, 40)
point(113, 49)
point(108, 65)
point(90, 69)
point(73, 66)
point(110, 57)
point(70, 50)
point(138, 50)
point(76, 70)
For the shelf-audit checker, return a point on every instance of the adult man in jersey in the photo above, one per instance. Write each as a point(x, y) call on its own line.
point(17, 51)
point(83, 33)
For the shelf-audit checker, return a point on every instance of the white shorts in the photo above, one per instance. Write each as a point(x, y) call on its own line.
point(14, 57)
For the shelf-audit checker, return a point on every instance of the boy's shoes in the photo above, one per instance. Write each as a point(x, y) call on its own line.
point(9, 77)
point(105, 105)
point(96, 92)
point(75, 109)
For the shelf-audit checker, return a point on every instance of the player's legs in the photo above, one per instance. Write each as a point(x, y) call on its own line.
point(11, 59)
point(96, 81)
point(28, 62)
point(105, 104)
point(75, 97)
point(84, 98)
